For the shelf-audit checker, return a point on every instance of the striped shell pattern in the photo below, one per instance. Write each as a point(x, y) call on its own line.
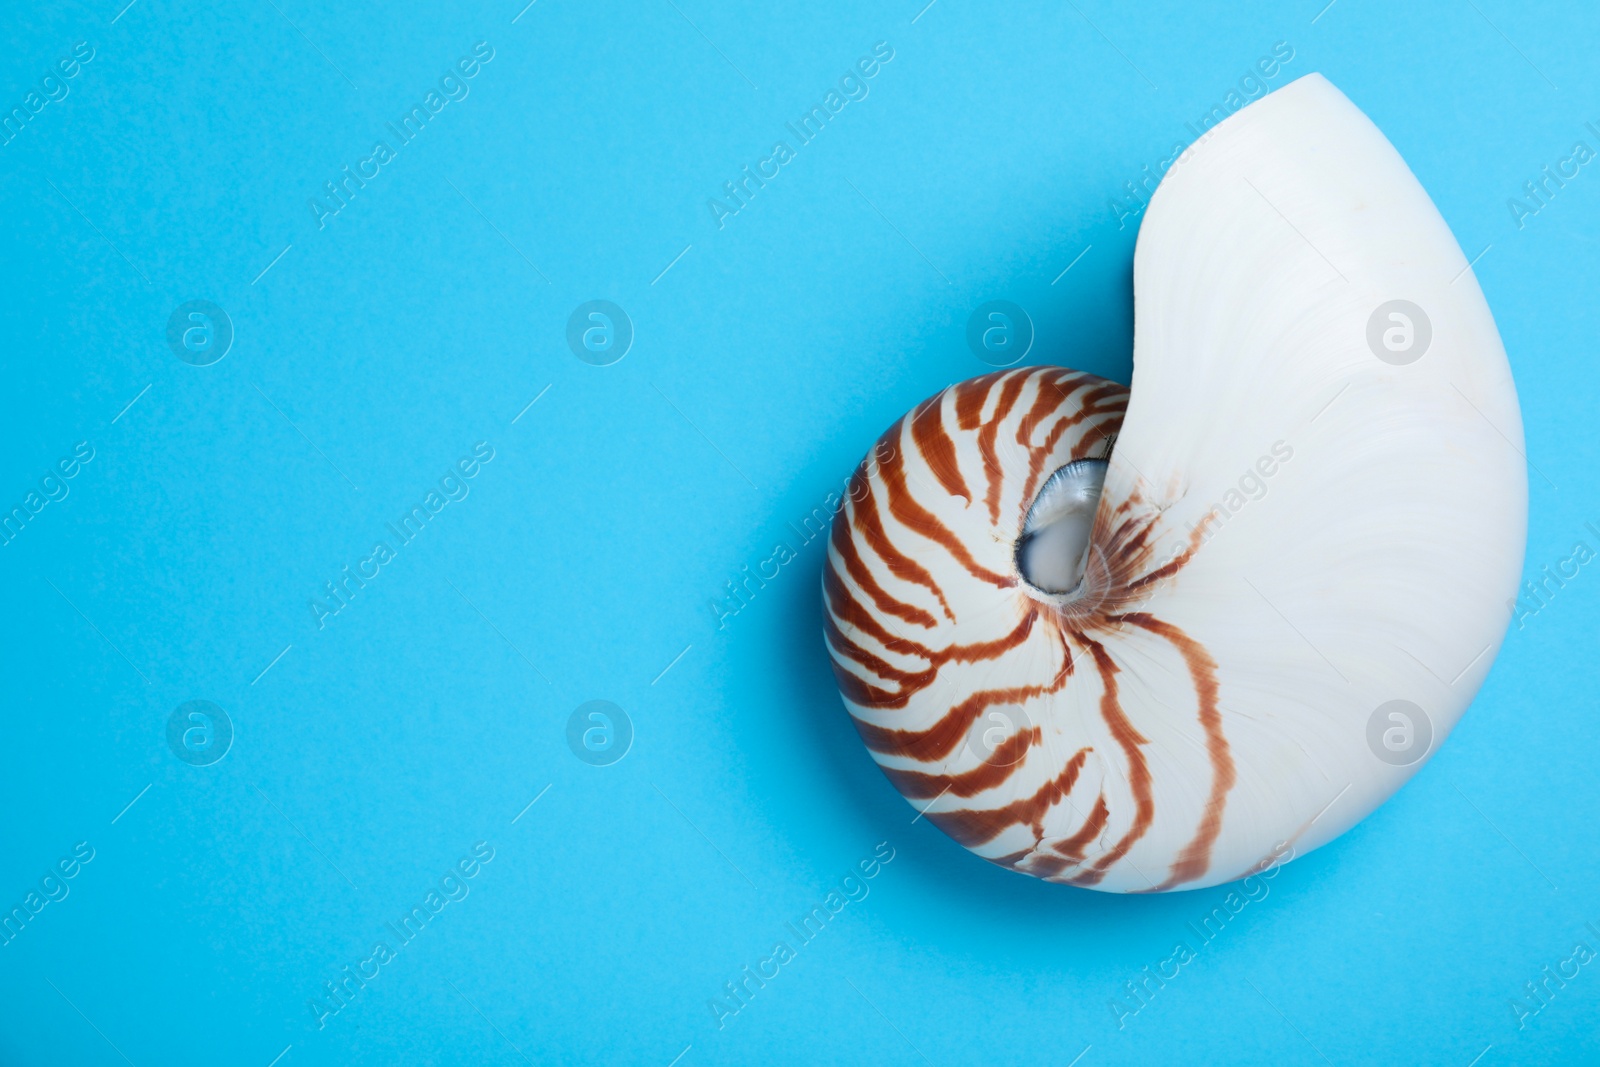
point(1014, 720)
point(1146, 638)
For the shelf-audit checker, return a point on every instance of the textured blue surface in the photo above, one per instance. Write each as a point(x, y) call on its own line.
point(374, 347)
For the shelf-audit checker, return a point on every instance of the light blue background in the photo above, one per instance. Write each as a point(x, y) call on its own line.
point(430, 711)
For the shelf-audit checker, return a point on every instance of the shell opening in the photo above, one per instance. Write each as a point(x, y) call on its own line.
point(1053, 551)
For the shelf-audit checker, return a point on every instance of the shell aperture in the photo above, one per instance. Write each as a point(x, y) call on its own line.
point(1054, 549)
point(1288, 587)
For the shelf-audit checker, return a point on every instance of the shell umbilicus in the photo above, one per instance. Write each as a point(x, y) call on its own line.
point(1149, 639)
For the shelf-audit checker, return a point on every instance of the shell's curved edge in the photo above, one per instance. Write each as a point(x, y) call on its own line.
point(1292, 534)
point(1386, 552)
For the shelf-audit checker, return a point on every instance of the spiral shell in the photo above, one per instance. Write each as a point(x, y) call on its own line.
point(960, 472)
point(1201, 704)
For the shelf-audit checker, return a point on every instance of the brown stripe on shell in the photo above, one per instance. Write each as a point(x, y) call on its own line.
point(941, 739)
point(916, 681)
point(1072, 847)
point(843, 606)
point(1009, 392)
point(973, 394)
point(857, 568)
point(1049, 401)
point(866, 519)
point(903, 506)
point(1129, 738)
point(1004, 761)
point(1195, 859)
point(975, 826)
point(936, 447)
point(1044, 865)
point(1039, 455)
point(861, 692)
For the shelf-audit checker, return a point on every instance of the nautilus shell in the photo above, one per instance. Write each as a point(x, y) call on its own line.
point(1145, 639)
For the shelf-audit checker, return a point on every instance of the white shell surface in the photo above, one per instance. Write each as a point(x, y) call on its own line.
point(1315, 506)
